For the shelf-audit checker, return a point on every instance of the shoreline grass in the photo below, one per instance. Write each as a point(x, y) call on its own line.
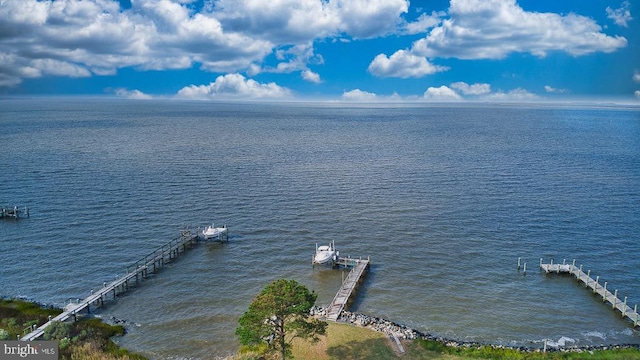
point(88, 338)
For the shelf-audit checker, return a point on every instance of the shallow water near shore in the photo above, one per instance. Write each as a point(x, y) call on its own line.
point(443, 199)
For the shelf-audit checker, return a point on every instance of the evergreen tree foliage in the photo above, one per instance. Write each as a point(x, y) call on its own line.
point(279, 314)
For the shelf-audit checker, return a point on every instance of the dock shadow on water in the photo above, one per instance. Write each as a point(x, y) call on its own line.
point(367, 282)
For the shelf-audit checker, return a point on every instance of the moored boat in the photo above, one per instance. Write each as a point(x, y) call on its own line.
point(325, 253)
point(213, 232)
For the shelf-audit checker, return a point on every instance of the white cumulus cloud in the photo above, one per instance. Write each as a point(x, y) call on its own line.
point(59, 68)
point(493, 29)
point(80, 38)
point(461, 91)
point(474, 89)
point(518, 94)
point(552, 90)
point(369, 18)
point(403, 64)
point(294, 58)
point(234, 86)
point(442, 93)
point(424, 23)
point(296, 21)
point(358, 95)
point(311, 76)
point(132, 94)
point(99, 37)
point(636, 76)
point(620, 16)
point(637, 94)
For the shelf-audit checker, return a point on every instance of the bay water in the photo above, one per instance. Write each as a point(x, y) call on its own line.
point(443, 198)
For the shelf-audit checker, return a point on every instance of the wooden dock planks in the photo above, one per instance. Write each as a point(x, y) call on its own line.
point(348, 285)
point(153, 261)
point(595, 286)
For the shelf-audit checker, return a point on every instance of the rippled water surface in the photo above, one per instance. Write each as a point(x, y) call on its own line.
point(444, 199)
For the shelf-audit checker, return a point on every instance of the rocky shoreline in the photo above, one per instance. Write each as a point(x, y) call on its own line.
point(400, 331)
point(403, 332)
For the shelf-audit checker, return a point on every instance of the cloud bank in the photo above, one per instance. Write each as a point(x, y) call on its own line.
point(81, 38)
point(455, 92)
point(86, 38)
point(493, 29)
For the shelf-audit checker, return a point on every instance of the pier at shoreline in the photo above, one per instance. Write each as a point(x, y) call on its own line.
point(135, 273)
point(595, 286)
point(358, 269)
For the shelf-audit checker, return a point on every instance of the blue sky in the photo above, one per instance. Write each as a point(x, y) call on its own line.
point(350, 50)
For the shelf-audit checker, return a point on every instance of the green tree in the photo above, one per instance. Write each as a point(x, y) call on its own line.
point(279, 314)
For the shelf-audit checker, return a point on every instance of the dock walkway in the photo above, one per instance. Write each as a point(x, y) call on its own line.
point(601, 290)
point(358, 267)
point(138, 271)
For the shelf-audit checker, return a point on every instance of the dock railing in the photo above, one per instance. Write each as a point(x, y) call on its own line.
point(595, 286)
point(139, 270)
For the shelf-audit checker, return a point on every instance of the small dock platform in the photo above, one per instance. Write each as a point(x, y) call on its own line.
point(14, 212)
point(339, 302)
point(135, 273)
point(595, 286)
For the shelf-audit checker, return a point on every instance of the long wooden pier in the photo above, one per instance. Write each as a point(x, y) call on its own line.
point(134, 274)
point(601, 290)
point(339, 302)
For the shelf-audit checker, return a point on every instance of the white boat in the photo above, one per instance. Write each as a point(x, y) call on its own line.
point(325, 253)
point(213, 232)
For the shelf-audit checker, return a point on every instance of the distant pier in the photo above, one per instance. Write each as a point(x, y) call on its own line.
point(14, 212)
point(597, 288)
point(349, 284)
point(135, 273)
